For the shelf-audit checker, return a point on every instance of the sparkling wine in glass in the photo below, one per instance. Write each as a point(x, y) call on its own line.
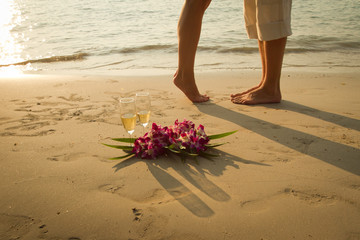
point(143, 104)
point(128, 114)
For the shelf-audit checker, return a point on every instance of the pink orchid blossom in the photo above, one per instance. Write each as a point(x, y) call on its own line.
point(182, 136)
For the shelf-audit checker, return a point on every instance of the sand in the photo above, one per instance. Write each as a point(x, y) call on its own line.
point(290, 172)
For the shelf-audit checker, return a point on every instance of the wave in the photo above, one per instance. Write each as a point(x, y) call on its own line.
point(220, 49)
point(318, 43)
point(255, 50)
point(73, 57)
point(167, 47)
point(350, 44)
point(172, 48)
point(109, 64)
point(295, 45)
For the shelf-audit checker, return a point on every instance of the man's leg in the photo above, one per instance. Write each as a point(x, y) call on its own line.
point(269, 89)
point(189, 29)
point(262, 55)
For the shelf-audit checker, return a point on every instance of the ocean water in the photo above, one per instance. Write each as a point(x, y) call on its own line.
point(139, 37)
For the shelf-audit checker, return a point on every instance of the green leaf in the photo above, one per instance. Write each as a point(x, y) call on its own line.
point(180, 152)
point(221, 135)
point(118, 146)
point(214, 145)
point(190, 154)
point(173, 150)
point(125, 140)
point(122, 157)
point(172, 146)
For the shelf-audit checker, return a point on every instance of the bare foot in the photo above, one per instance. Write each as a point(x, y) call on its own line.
point(257, 96)
point(245, 92)
point(189, 88)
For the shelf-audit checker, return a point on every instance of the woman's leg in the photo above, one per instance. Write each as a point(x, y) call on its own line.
point(189, 29)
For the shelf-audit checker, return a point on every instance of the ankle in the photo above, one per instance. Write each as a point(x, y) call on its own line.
point(271, 89)
point(182, 76)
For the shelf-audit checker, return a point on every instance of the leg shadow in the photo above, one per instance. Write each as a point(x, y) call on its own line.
point(195, 173)
point(199, 180)
point(337, 154)
point(181, 193)
point(337, 119)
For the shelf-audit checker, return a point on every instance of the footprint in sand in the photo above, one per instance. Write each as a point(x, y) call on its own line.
point(43, 112)
point(197, 116)
point(355, 186)
point(29, 126)
point(155, 195)
point(110, 188)
point(311, 196)
point(14, 226)
point(17, 226)
point(137, 214)
point(67, 157)
point(73, 98)
point(36, 134)
point(303, 144)
point(148, 224)
point(255, 206)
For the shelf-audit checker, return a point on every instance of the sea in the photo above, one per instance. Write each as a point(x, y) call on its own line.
point(120, 37)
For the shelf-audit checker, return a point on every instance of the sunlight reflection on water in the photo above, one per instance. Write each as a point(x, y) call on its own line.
point(9, 18)
point(10, 47)
point(115, 36)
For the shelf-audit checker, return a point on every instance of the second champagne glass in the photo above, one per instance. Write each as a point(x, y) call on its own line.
point(143, 104)
point(128, 114)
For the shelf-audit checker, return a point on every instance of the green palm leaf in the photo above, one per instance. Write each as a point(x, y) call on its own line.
point(189, 154)
point(122, 157)
point(221, 135)
point(119, 147)
point(125, 140)
point(214, 145)
point(171, 149)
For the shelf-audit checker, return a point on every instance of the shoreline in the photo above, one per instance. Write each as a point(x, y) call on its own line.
point(155, 72)
point(206, 62)
point(291, 171)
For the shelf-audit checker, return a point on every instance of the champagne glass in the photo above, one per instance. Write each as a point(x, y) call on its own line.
point(142, 100)
point(128, 114)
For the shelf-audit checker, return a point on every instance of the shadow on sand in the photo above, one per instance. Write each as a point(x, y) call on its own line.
point(337, 119)
point(195, 173)
point(336, 154)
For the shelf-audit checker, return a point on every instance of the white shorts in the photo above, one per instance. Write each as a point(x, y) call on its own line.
point(267, 20)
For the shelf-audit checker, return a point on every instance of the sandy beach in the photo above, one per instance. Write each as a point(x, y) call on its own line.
point(290, 172)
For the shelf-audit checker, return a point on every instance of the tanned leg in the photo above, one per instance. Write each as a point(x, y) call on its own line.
point(269, 89)
point(262, 55)
point(189, 29)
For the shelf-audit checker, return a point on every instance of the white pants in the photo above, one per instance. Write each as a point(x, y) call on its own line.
point(267, 20)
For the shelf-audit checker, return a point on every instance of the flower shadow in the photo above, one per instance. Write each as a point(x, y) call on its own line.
point(194, 172)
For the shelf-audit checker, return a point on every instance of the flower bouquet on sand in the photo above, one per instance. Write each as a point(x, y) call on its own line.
point(182, 139)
